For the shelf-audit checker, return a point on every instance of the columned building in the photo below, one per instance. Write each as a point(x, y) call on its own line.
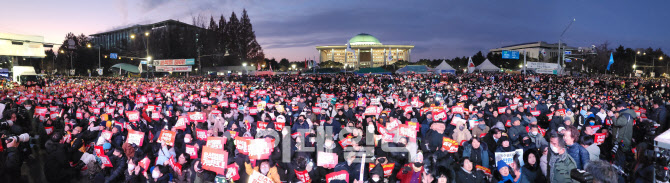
point(367, 52)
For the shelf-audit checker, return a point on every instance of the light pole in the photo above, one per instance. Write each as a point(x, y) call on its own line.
point(562, 53)
point(89, 46)
point(245, 67)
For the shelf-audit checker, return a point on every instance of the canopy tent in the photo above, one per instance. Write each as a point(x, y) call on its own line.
point(487, 66)
point(444, 67)
point(420, 69)
point(127, 67)
point(373, 70)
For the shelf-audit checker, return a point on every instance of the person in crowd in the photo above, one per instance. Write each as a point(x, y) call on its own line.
point(561, 163)
point(480, 129)
point(574, 149)
point(586, 141)
point(477, 153)
point(467, 173)
point(531, 167)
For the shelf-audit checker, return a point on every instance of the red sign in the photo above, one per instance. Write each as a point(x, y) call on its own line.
point(449, 145)
point(196, 117)
point(388, 168)
point(259, 178)
point(302, 175)
point(79, 115)
point(216, 142)
point(107, 135)
point(279, 126)
point(535, 113)
point(201, 134)
point(599, 138)
point(341, 175)
point(167, 137)
point(326, 160)
point(133, 116)
point(105, 161)
point(261, 125)
point(457, 109)
point(231, 172)
point(215, 160)
point(316, 110)
point(501, 110)
point(241, 144)
point(407, 131)
point(192, 150)
point(135, 137)
point(560, 112)
point(181, 123)
point(259, 148)
point(40, 111)
point(483, 169)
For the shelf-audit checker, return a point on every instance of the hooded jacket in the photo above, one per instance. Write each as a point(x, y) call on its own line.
point(623, 128)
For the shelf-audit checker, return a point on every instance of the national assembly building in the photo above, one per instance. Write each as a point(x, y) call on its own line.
point(367, 52)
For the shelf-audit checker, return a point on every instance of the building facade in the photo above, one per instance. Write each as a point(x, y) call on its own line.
point(534, 49)
point(367, 52)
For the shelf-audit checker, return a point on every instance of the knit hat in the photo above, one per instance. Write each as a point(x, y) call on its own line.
point(499, 126)
point(501, 164)
point(106, 146)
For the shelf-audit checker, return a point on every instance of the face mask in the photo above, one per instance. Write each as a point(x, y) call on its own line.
point(533, 133)
point(375, 179)
point(418, 164)
point(131, 167)
point(461, 128)
point(554, 149)
point(265, 170)
point(155, 174)
point(187, 140)
point(481, 126)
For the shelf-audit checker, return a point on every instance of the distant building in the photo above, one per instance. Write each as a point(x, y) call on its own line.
point(165, 39)
point(367, 52)
point(533, 49)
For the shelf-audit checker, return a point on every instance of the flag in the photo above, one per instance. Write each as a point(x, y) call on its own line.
point(582, 67)
point(543, 52)
point(349, 50)
point(471, 66)
point(611, 61)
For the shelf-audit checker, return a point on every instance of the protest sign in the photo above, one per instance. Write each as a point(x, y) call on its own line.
point(259, 178)
point(259, 148)
point(201, 134)
point(303, 176)
point(535, 113)
point(449, 145)
point(501, 110)
point(107, 135)
point(508, 157)
point(98, 150)
point(326, 160)
point(104, 160)
point(167, 137)
point(133, 116)
point(483, 169)
point(599, 138)
point(192, 151)
point(407, 131)
point(196, 117)
point(388, 168)
point(41, 111)
point(215, 160)
point(216, 142)
point(241, 143)
point(231, 172)
point(135, 137)
point(338, 176)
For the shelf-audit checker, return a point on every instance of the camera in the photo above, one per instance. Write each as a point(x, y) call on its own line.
point(21, 138)
point(6, 124)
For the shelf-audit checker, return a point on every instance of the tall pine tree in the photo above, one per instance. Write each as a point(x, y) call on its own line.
point(232, 33)
point(249, 48)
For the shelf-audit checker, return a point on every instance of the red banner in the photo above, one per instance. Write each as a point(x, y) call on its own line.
point(326, 160)
point(135, 137)
point(107, 135)
point(201, 134)
point(40, 111)
point(407, 131)
point(231, 172)
point(302, 175)
point(501, 110)
point(279, 126)
point(560, 112)
point(341, 175)
point(181, 123)
point(535, 113)
point(457, 109)
point(483, 169)
point(449, 145)
point(98, 150)
point(261, 125)
point(167, 137)
point(215, 160)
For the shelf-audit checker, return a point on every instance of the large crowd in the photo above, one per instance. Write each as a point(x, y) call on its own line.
point(467, 128)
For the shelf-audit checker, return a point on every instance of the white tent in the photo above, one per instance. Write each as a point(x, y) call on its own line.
point(444, 67)
point(487, 66)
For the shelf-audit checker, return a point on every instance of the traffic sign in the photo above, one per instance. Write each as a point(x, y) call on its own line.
point(568, 52)
point(507, 54)
point(113, 55)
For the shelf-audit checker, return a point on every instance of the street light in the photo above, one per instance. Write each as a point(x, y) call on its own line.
point(132, 36)
point(99, 65)
point(149, 58)
point(146, 33)
point(61, 51)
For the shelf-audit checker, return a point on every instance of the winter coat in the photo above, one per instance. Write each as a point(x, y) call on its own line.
point(579, 154)
point(561, 165)
point(272, 173)
point(514, 133)
point(484, 153)
point(477, 132)
point(471, 177)
point(538, 140)
point(406, 177)
point(56, 167)
point(461, 135)
point(623, 128)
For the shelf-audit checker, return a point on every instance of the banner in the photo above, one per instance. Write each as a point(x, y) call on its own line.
point(259, 149)
point(508, 157)
point(326, 160)
point(189, 61)
point(449, 145)
point(135, 137)
point(501, 110)
point(231, 172)
point(279, 125)
point(99, 151)
point(181, 123)
point(107, 135)
point(483, 169)
point(167, 137)
point(40, 111)
point(201, 134)
point(535, 113)
point(261, 125)
point(560, 112)
point(215, 160)
point(341, 175)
